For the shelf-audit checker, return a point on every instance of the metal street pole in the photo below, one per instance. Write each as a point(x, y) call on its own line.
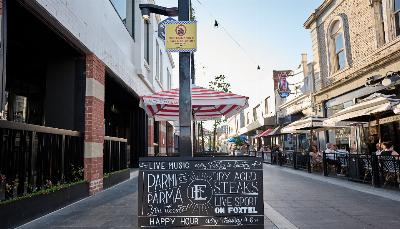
point(185, 92)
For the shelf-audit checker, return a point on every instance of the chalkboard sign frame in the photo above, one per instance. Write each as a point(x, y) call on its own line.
point(223, 181)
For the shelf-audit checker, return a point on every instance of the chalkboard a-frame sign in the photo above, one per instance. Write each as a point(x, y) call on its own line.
point(202, 192)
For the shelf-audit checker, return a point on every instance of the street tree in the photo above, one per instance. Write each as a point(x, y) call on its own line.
point(219, 84)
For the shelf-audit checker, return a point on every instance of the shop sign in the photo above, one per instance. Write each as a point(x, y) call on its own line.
point(281, 83)
point(181, 36)
point(161, 27)
point(390, 119)
point(200, 192)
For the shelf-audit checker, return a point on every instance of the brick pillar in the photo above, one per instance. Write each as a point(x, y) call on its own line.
point(94, 123)
point(150, 137)
point(163, 140)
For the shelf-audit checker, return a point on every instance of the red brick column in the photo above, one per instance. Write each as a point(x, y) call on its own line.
point(163, 140)
point(94, 123)
point(150, 137)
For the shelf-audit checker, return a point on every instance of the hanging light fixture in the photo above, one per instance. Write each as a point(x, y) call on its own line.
point(216, 24)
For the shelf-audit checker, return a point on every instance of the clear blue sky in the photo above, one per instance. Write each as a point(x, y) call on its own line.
point(271, 32)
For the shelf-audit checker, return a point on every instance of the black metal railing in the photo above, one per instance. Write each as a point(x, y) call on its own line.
point(267, 157)
point(286, 158)
point(380, 171)
point(115, 154)
point(377, 170)
point(302, 161)
point(34, 157)
point(388, 171)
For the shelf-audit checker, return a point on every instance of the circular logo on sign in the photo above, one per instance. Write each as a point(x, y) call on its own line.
point(199, 192)
point(180, 30)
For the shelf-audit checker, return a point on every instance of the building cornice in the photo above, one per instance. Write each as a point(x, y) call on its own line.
point(294, 101)
point(366, 68)
point(313, 17)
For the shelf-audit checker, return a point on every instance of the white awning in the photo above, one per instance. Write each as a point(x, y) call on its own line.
point(306, 123)
point(362, 111)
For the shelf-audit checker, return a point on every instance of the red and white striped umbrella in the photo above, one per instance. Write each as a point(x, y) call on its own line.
point(207, 104)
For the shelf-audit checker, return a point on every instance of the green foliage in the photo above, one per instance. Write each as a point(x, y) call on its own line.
point(77, 173)
point(219, 84)
point(106, 175)
point(238, 141)
point(42, 192)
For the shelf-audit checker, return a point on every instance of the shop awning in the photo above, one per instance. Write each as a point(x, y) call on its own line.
point(276, 131)
point(306, 123)
point(376, 104)
point(207, 104)
point(264, 134)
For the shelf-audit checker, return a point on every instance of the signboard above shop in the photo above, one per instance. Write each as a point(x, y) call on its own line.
point(161, 27)
point(181, 36)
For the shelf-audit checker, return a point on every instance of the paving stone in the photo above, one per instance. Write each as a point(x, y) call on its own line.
point(303, 201)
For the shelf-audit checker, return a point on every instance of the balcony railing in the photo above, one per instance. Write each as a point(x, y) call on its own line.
point(115, 154)
point(33, 157)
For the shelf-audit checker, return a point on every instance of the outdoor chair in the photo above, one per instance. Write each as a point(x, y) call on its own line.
point(367, 167)
point(390, 168)
point(343, 162)
point(316, 166)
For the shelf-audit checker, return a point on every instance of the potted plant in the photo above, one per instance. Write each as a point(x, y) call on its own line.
point(2, 187)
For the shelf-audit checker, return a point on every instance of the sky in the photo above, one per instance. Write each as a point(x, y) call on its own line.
point(271, 35)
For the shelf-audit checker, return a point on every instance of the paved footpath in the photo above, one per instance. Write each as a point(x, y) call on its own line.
point(292, 199)
point(313, 201)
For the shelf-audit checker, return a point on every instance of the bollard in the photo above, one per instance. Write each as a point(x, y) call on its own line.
point(375, 171)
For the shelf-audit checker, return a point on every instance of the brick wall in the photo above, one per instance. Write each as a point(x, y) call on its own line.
point(163, 140)
point(363, 54)
point(360, 38)
point(150, 136)
point(94, 123)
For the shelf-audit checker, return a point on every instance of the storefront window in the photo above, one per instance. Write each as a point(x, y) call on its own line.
point(288, 142)
point(303, 142)
point(125, 10)
point(390, 132)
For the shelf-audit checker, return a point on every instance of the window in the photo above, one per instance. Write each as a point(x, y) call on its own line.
point(337, 47)
point(397, 16)
point(161, 67)
point(147, 41)
point(126, 11)
point(157, 62)
point(255, 114)
point(169, 79)
point(380, 25)
point(266, 110)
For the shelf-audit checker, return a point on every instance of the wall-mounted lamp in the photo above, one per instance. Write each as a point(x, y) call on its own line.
point(374, 81)
point(391, 79)
point(146, 9)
